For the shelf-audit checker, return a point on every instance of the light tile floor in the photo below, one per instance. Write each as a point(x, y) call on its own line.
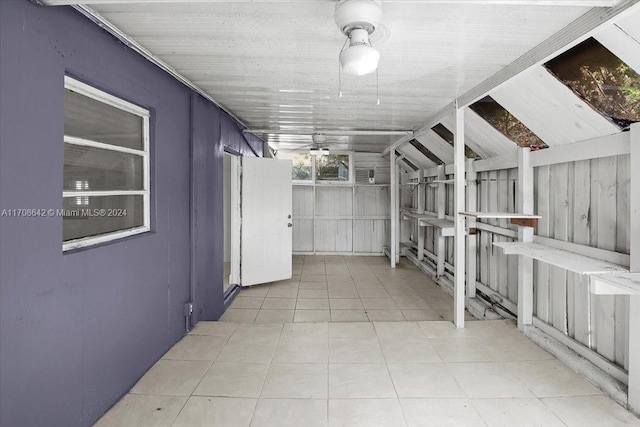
point(344, 289)
point(370, 373)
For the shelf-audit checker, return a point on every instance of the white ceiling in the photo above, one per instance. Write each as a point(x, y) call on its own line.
point(275, 64)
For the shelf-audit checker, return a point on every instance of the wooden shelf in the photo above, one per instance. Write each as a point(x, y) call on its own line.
point(522, 220)
point(435, 182)
point(560, 258)
point(446, 227)
point(615, 284)
point(414, 215)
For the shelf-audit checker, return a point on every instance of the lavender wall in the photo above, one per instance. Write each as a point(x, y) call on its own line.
point(77, 330)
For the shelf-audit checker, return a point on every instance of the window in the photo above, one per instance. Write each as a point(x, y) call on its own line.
point(332, 167)
point(301, 165)
point(307, 168)
point(506, 123)
point(600, 78)
point(444, 133)
point(106, 167)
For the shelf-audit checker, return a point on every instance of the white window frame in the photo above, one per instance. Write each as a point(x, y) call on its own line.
point(98, 95)
point(313, 180)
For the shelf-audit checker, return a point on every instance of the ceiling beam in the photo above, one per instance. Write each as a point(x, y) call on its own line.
point(332, 132)
point(569, 3)
point(570, 36)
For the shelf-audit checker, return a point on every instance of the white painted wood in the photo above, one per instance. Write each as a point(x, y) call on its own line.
point(550, 109)
point(441, 211)
point(438, 146)
point(369, 236)
point(236, 219)
point(266, 250)
point(615, 284)
point(497, 215)
point(334, 235)
point(483, 138)
point(603, 197)
point(602, 363)
point(622, 44)
point(472, 254)
point(634, 301)
point(580, 192)
point(588, 251)
point(563, 259)
point(559, 222)
point(446, 227)
point(495, 230)
point(416, 157)
point(609, 145)
point(393, 207)
point(507, 161)
point(525, 235)
point(459, 206)
point(541, 270)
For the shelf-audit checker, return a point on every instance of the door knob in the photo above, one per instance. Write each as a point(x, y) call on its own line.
point(290, 225)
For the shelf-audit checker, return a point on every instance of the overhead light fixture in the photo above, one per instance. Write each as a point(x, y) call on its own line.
point(357, 19)
point(359, 59)
point(319, 151)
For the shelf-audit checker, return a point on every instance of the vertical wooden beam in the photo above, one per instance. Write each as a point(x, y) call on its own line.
point(634, 300)
point(472, 206)
point(459, 206)
point(397, 207)
point(441, 201)
point(524, 199)
point(420, 210)
point(394, 211)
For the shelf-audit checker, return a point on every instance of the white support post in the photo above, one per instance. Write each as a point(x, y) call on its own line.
point(440, 211)
point(525, 234)
point(397, 208)
point(472, 206)
point(634, 300)
point(394, 213)
point(420, 211)
point(459, 206)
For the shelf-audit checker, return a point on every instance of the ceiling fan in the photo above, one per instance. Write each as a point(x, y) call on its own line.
point(316, 147)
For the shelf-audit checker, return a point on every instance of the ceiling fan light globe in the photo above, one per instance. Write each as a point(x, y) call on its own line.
point(359, 60)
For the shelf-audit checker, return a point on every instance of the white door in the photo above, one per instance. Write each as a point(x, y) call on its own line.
point(266, 224)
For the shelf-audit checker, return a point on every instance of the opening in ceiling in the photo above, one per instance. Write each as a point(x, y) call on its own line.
point(407, 161)
point(426, 152)
point(505, 122)
point(601, 79)
point(447, 135)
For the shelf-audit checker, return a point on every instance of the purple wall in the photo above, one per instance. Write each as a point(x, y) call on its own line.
point(77, 330)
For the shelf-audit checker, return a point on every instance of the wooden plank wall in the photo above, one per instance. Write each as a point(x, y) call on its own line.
point(351, 218)
point(588, 205)
point(583, 202)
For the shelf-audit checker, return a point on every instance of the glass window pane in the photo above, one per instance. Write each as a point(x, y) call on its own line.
point(87, 118)
point(332, 167)
point(600, 78)
point(95, 169)
point(300, 165)
point(505, 122)
point(92, 216)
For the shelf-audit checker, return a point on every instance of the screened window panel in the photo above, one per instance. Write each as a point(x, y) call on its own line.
point(84, 218)
point(301, 168)
point(333, 167)
point(95, 169)
point(87, 118)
